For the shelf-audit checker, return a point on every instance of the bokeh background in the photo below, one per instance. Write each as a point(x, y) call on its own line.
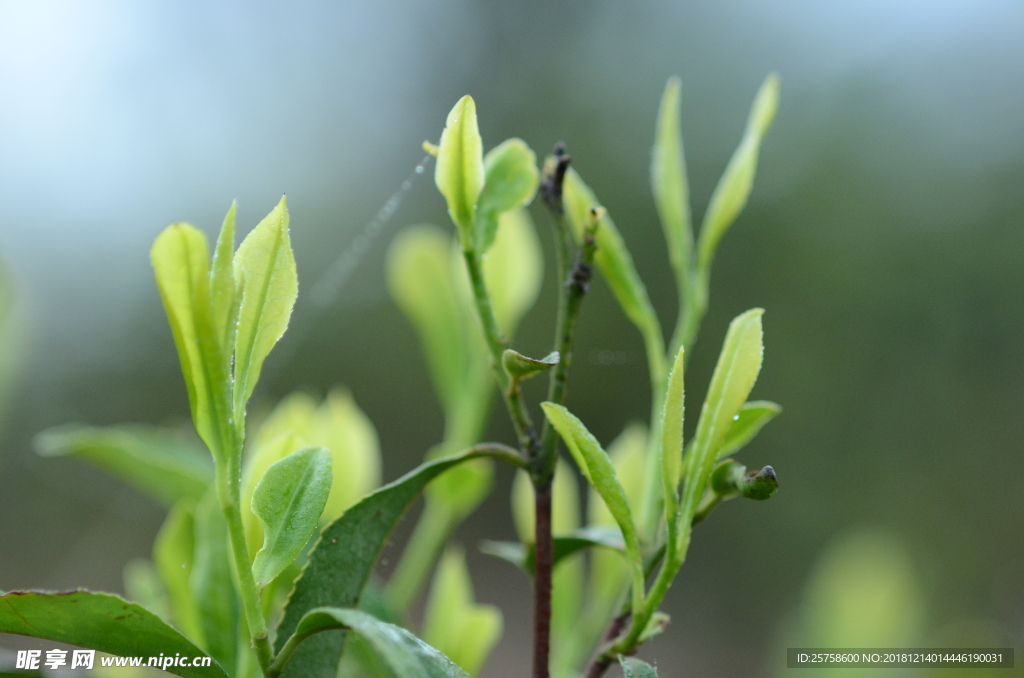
point(885, 238)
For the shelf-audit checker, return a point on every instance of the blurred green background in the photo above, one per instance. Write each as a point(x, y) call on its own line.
point(885, 238)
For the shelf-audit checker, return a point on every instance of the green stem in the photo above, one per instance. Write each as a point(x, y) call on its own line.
point(228, 481)
point(496, 343)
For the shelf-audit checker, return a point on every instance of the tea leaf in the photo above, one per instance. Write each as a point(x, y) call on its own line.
point(224, 301)
point(421, 283)
point(746, 424)
point(344, 429)
point(153, 460)
point(453, 623)
point(616, 266)
point(565, 503)
point(635, 668)
point(519, 367)
point(142, 585)
point(672, 436)
point(405, 654)
point(460, 173)
point(669, 183)
point(173, 553)
point(511, 180)
point(289, 500)
point(263, 456)
point(264, 271)
point(341, 562)
point(513, 270)
point(522, 555)
point(212, 583)
point(99, 621)
point(734, 376)
point(597, 468)
point(733, 189)
point(180, 257)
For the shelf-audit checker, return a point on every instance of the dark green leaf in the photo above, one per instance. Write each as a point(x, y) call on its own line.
point(404, 653)
point(289, 500)
point(99, 621)
point(342, 560)
point(635, 668)
point(746, 424)
point(154, 460)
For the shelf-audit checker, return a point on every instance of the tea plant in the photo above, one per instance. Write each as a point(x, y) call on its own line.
point(266, 560)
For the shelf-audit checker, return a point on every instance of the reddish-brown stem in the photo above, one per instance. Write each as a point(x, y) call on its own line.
point(542, 582)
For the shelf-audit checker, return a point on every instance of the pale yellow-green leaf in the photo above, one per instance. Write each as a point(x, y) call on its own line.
point(597, 468)
point(454, 623)
point(264, 268)
point(609, 570)
point(224, 300)
point(668, 180)
point(565, 503)
point(288, 501)
point(263, 457)
point(514, 269)
point(419, 272)
point(173, 553)
point(672, 436)
point(733, 378)
point(616, 266)
point(142, 585)
point(511, 182)
point(733, 189)
point(343, 428)
point(459, 174)
point(180, 258)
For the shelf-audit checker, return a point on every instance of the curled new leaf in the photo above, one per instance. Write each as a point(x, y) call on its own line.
point(264, 271)
point(459, 174)
point(289, 500)
point(733, 189)
point(520, 367)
